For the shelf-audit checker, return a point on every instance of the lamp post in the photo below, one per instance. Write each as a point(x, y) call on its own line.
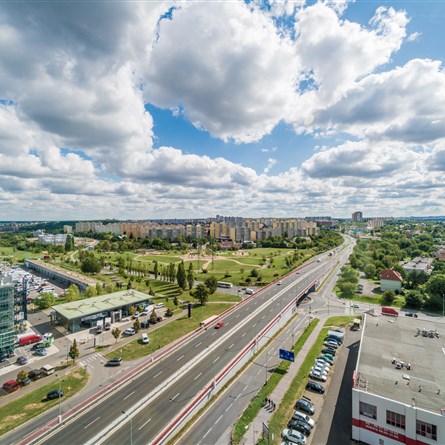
point(131, 427)
point(60, 398)
point(265, 368)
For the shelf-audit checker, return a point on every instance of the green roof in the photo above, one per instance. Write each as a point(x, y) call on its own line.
point(90, 306)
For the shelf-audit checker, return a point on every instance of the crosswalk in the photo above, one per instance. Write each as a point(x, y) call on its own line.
point(92, 360)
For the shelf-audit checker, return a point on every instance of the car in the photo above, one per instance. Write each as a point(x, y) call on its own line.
point(107, 326)
point(326, 358)
point(159, 318)
point(41, 352)
point(219, 325)
point(411, 314)
point(322, 365)
point(305, 405)
point(36, 374)
point(54, 394)
point(130, 331)
point(159, 305)
point(145, 324)
point(11, 386)
point(330, 351)
point(335, 339)
point(26, 381)
point(279, 283)
point(99, 329)
point(293, 436)
point(144, 313)
point(355, 305)
point(331, 344)
point(315, 386)
point(144, 339)
point(317, 375)
point(300, 426)
point(322, 371)
point(114, 362)
point(22, 361)
point(298, 415)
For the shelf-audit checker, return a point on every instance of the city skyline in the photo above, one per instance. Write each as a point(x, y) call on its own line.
point(161, 110)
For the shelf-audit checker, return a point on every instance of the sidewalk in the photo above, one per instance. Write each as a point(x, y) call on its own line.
point(254, 432)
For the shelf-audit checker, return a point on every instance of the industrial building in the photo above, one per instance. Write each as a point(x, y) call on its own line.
point(83, 314)
point(398, 393)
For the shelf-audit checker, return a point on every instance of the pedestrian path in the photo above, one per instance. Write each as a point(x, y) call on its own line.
point(254, 432)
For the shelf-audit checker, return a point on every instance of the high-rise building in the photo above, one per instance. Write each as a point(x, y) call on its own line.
point(7, 327)
point(357, 217)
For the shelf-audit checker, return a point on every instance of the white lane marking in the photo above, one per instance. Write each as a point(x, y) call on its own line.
point(230, 406)
point(91, 423)
point(218, 419)
point(232, 345)
point(216, 359)
point(263, 317)
point(144, 424)
point(207, 433)
point(131, 393)
point(259, 370)
point(245, 388)
point(199, 375)
point(214, 332)
point(159, 373)
point(200, 343)
point(243, 334)
point(254, 325)
point(173, 398)
point(237, 316)
point(227, 322)
point(182, 356)
point(237, 397)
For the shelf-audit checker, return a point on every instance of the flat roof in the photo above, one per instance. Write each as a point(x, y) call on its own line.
point(67, 273)
point(385, 338)
point(90, 306)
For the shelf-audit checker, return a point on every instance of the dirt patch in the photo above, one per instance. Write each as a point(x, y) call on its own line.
point(15, 417)
point(33, 405)
point(77, 375)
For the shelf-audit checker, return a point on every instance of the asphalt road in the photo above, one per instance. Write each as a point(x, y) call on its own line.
point(168, 403)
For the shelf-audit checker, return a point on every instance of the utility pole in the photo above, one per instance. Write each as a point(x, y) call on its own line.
point(131, 427)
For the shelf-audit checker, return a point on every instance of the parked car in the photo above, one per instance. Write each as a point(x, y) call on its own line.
point(315, 386)
point(411, 314)
point(22, 360)
point(293, 436)
point(317, 375)
point(145, 324)
point(3, 357)
point(305, 405)
point(36, 374)
point(130, 331)
point(279, 283)
point(54, 394)
point(300, 426)
point(219, 325)
point(326, 358)
point(334, 339)
point(322, 371)
point(322, 365)
point(41, 352)
point(99, 329)
point(331, 351)
point(114, 362)
point(107, 326)
point(11, 386)
point(331, 344)
point(159, 305)
point(298, 415)
point(26, 381)
point(355, 305)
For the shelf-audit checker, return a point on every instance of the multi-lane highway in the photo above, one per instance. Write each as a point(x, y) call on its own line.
point(219, 347)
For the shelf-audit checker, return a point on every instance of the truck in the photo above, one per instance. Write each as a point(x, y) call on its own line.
point(389, 311)
point(27, 339)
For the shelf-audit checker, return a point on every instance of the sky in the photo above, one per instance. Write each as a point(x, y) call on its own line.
point(151, 110)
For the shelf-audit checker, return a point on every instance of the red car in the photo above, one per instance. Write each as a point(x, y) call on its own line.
point(220, 324)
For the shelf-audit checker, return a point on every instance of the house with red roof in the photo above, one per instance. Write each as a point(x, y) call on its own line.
point(390, 280)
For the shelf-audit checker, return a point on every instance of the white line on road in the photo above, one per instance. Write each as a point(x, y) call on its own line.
point(218, 419)
point(182, 356)
point(214, 332)
point(199, 375)
point(263, 317)
point(144, 424)
point(227, 322)
point(243, 334)
point(91, 423)
point(237, 397)
point(237, 316)
point(131, 393)
point(230, 406)
point(173, 398)
point(159, 373)
point(254, 325)
point(200, 343)
point(207, 433)
point(245, 388)
point(216, 359)
point(259, 370)
point(232, 345)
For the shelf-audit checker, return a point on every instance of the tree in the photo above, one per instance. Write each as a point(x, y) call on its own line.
point(99, 289)
point(212, 284)
point(156, 270)
point(21, 376)
point(46, 300)
point(132, 310)
point(137, 325)
point(369, 270)
point(435, 287)
point(347, 289)
point(72, 293)
point(74, 351)
point(90, 291)
point(201, 293)
point(176, 301)
point(116, 333)
point(151, 292)
point(414, 299)
point(153, 317)
point(254, 273)
point(181, 277)
point(90, 264)
point(190, 276)
point(389, 296)
point(69, 243)
point(168, 312)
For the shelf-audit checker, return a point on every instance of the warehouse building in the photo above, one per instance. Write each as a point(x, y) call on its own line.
point(398, 393)
point(84, 314)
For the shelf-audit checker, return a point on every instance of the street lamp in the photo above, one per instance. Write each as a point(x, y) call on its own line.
point(131, 427)
point(60, 398)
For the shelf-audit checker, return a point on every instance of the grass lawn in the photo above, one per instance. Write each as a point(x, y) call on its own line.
point(220, 296)
point(31, 405)
point(166, 334)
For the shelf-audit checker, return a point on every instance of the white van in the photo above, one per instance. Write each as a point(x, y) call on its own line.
point(144, 339)
point(249, 291)
point(47, 369)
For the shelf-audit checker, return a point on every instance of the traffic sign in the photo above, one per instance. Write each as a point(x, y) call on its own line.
point(287, 355)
